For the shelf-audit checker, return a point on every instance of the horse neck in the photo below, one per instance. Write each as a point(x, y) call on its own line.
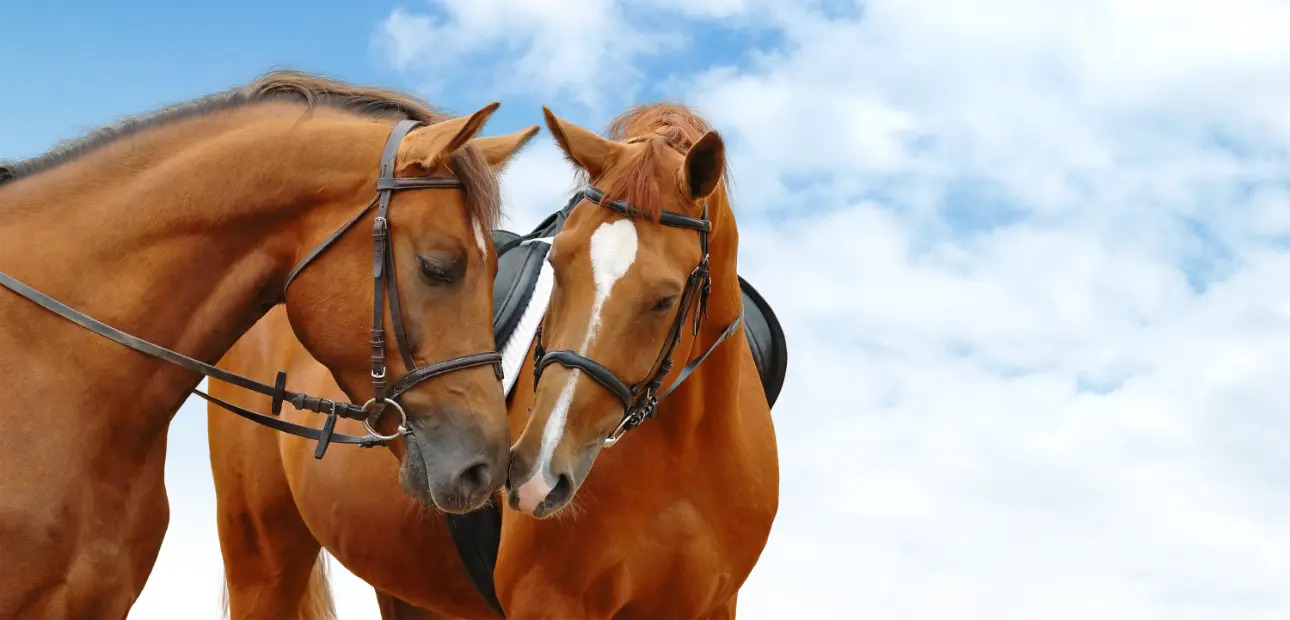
point(182, 234)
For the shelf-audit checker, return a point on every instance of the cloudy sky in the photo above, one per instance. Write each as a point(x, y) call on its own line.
point(1032, 259)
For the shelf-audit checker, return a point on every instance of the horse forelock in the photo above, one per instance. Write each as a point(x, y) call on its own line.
point(673, 124)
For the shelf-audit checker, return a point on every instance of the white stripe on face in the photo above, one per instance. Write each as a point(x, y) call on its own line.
point(613, 251)
point(479, 239)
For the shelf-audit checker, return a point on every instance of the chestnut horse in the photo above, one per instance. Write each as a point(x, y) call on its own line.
point(178, 231)
point(277, 506)
point(679, 512)
point(646, 286)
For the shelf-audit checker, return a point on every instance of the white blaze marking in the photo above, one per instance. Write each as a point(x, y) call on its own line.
point(479, 238)
point(613, 250)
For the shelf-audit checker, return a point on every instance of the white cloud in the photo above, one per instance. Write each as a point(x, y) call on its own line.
point(579, 49)
point(1032, 262)
point(536, 183)
point(968, 476)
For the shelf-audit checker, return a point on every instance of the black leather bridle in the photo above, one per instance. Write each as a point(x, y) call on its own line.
point(640, 400)
point(384, 282)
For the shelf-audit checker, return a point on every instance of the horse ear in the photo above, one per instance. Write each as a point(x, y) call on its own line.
point(583, 147)
point(704, 163)
point(498, 150)
point(430, 144)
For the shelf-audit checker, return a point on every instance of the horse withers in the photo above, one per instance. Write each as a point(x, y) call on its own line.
point(131, 256)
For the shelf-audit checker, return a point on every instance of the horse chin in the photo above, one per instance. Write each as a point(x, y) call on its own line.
point(413, 476)
point(416, 475)
point(544, 512)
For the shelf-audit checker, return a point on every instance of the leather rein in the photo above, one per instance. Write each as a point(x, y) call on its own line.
point(384, 283)
point(640, 400)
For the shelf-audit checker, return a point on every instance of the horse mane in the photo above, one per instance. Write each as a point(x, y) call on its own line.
point(678, 126)
point(289, 86)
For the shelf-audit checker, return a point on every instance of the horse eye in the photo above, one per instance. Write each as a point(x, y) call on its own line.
point(436, 272)
point(663, 304)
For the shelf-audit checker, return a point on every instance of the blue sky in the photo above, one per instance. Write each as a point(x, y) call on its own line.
point(83, 64)
point(1031, 259)
point(88, 63)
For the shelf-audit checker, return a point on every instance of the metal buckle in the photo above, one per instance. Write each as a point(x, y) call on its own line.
point(617, 434)
point(631, 421)
point(403, 420)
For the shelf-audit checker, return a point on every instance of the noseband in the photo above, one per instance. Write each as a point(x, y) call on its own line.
point(640, 400)
point(384, 281)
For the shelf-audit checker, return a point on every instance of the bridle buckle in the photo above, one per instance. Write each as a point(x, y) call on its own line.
point(632, 419)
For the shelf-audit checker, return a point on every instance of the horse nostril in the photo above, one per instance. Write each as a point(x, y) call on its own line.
point(474, 479)
point(561, 493)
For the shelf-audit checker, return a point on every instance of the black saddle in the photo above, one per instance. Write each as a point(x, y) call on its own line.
point(518, 267)
point(477, 534)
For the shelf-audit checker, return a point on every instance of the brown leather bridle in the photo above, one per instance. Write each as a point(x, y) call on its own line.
point(384, 283)
point(640, 399)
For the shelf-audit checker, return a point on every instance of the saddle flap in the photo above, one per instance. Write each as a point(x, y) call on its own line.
point(766, 339)
point(518, 268)
point(517, 272)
